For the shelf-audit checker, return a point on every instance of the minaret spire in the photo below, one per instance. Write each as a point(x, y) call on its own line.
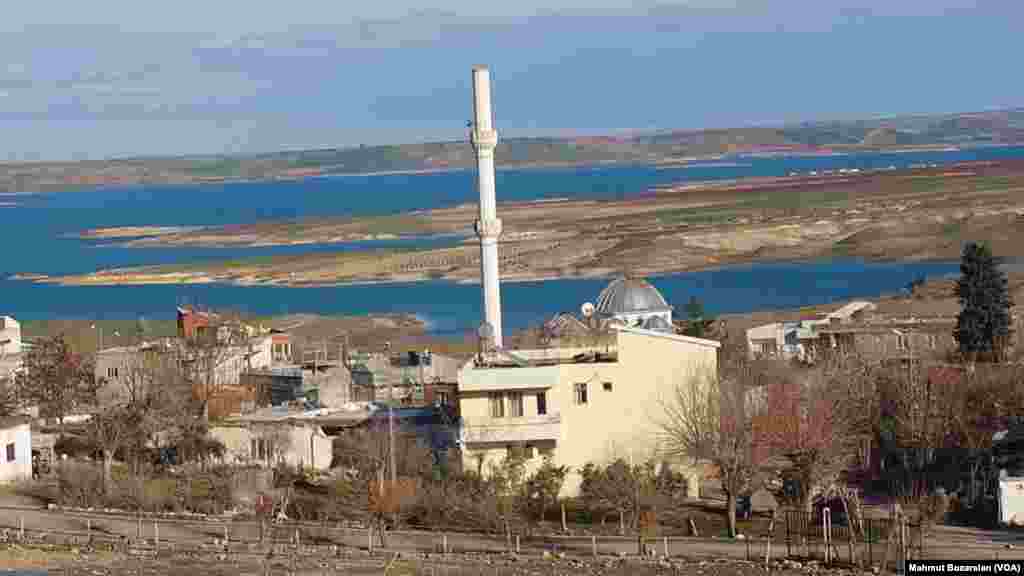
point(488, 228)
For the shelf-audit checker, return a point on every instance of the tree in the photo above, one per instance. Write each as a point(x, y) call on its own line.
point(111, 430)
point(542, 487)
point(203, 357)
point(803, 425)
point(56, 379)
point(697, 325)
point(983, 327)
point(711, 419)
point(8, 400)
point(612, 487)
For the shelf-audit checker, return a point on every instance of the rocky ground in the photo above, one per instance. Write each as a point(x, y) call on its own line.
point(78, 561)
point(924, 213)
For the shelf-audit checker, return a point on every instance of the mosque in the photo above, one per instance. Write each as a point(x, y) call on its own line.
point(574, 400)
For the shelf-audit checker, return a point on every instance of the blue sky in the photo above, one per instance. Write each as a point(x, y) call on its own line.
point(128, 77)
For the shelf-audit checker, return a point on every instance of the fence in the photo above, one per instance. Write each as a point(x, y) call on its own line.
point(884, 542)
point(880, 541)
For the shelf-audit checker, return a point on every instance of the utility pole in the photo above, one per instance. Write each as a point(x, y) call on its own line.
point(391, 417)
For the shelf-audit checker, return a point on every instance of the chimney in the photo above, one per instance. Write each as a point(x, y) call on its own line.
point(488, 228)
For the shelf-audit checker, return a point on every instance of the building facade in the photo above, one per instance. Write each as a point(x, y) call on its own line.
point(579, 405)
point(15, 449)
point(10, 336)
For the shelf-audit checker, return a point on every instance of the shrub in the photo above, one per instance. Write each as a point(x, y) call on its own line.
point(934, 508)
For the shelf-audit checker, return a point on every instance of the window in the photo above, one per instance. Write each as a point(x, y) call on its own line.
point(497, 406)
point(515, 403)
point(581, 393)
point(521, 452)
point(112, 372)
point(931, 341)
point(441, 398)
point(767, 348)
point(10, 452)
point(901, 342)
point(542, 403)
point(607, 386)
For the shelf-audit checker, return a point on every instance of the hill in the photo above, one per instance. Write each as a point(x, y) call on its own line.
point(969, 129)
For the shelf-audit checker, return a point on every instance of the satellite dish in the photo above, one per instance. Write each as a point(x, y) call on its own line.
point(587, 309)
point(486, 331)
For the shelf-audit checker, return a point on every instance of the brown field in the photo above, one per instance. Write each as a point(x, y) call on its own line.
point(923, 213)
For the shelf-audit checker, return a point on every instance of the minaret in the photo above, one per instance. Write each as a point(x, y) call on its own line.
point(484, 139)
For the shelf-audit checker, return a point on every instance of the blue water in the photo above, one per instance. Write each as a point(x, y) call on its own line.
point(34, 233)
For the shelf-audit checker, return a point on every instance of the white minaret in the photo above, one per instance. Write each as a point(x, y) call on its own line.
point(488, 227)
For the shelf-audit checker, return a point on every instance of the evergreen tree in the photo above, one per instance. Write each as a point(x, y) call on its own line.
point(696, 323)
point(983, 326)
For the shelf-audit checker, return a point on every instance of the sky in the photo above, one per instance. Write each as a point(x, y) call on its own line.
point(115, 78)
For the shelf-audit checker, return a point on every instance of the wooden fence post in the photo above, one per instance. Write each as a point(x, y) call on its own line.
point(768, 544)
point(21, 527)
point(156, 535)
point(593, 545)
point(369, 538)
point(444, 543)
point(666, 546)
point(517, 543)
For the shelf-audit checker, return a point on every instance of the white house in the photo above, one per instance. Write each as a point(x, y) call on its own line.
point(15, 449)
point(10, 336)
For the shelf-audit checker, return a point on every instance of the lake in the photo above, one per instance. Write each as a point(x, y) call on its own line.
point(35, 233)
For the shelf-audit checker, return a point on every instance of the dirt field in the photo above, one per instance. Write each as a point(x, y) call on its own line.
point(924, 213)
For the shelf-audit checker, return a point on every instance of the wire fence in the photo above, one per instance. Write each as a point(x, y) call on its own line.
point(886, 543)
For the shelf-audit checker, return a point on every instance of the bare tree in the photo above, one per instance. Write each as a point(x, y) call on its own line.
point(56, 379)
point(803, 424)
point(8, 400)
point(204, 356)
point(711, 419)
point(111, 430)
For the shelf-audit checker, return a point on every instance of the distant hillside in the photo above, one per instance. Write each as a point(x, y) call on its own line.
point(981, 128)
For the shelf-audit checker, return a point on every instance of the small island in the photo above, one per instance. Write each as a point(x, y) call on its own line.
point(914, 214)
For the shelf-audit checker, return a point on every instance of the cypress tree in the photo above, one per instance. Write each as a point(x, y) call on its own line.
point(983, 326)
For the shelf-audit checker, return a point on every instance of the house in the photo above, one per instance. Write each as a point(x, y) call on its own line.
point(410, 378)
point(799, 339)
point(889, 338)
point(281, 347)
point(286, 435)
point(10, 336)
point(11, 348)
point(15, 449)
point(578, 405)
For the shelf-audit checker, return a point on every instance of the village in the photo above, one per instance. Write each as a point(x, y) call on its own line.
point(583, 397)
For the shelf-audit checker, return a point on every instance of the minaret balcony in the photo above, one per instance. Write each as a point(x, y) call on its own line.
point(488, 228)
point(484, 139)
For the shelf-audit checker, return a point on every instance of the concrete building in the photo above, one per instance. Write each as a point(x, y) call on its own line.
point(800, 339)
point(10, 336)
point(282, 435)
point(15, 449)
point(11, 349)
point(579, 405)
point(412, 378)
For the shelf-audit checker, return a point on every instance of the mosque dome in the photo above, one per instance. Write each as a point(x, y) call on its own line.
point(630, 296)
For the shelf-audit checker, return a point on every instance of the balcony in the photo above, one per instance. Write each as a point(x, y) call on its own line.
point(513, 430)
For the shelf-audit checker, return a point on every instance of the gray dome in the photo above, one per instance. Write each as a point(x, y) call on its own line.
point(630, 295)
point(658, 324)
